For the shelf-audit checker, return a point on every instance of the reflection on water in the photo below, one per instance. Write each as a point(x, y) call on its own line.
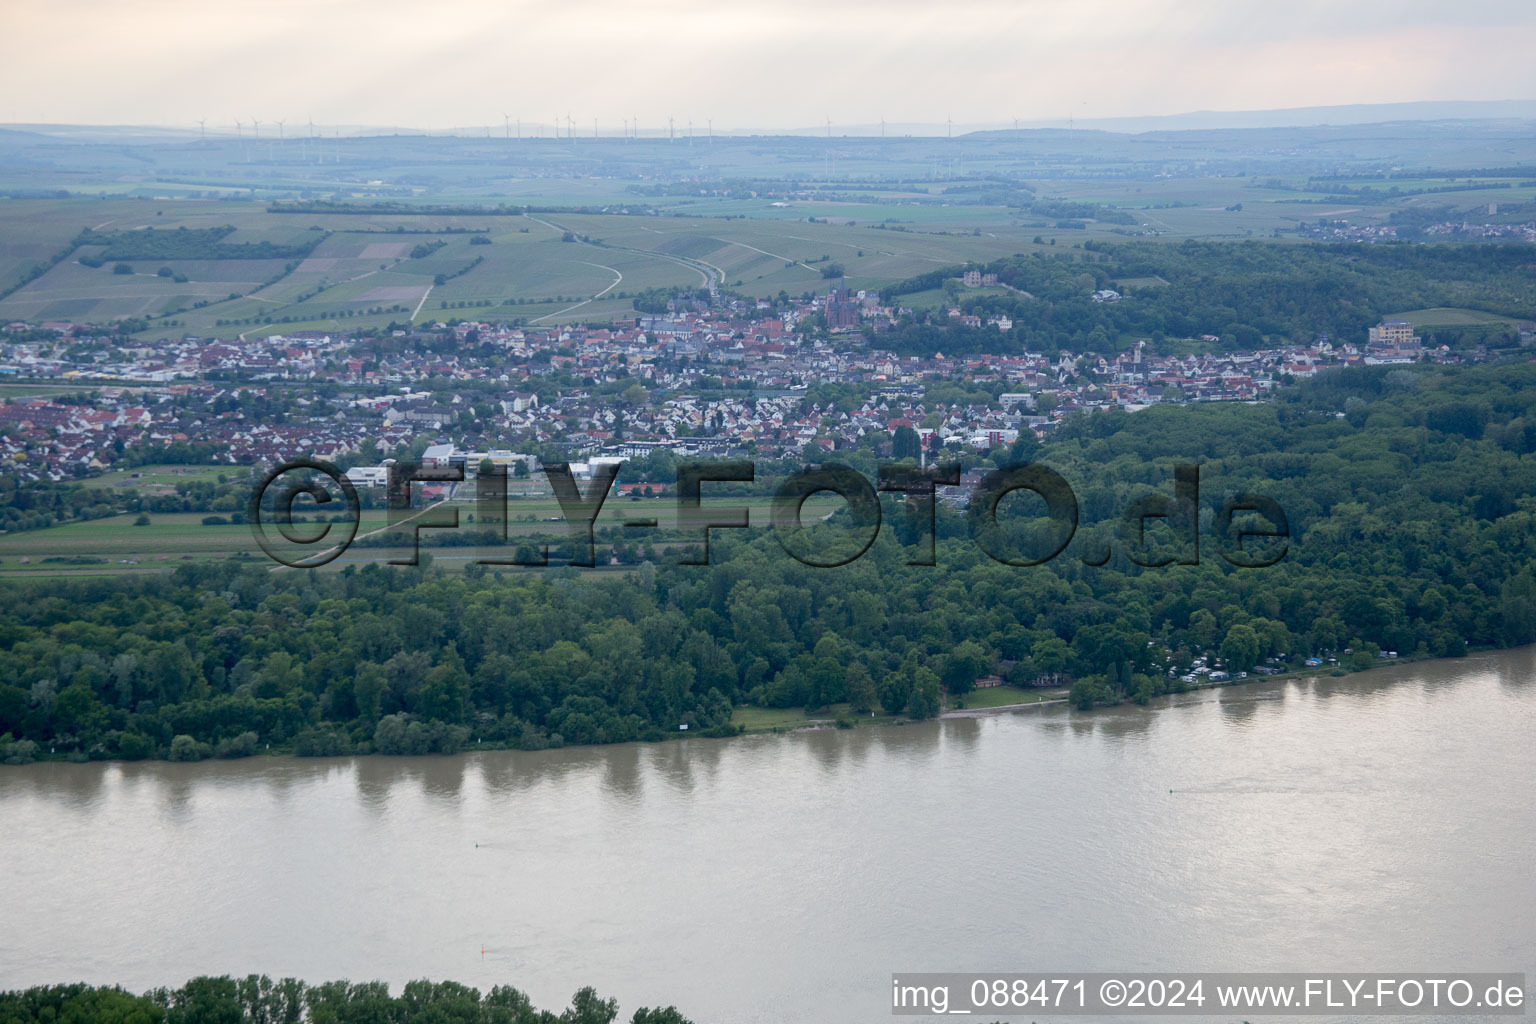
point(1359, 822)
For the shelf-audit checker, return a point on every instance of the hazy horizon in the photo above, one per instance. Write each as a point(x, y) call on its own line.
point(786, 67)
point(1334, 115)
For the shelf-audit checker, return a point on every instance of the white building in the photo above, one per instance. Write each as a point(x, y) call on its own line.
point(369, 476)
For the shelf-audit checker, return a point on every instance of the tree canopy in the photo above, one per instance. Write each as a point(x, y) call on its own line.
point(1410, 500)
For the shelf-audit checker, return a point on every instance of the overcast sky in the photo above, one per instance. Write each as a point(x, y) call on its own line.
point(743, 63)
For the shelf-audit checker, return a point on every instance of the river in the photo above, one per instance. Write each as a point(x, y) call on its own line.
point(1383, 821)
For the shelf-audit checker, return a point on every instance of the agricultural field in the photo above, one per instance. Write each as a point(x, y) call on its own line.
point(362, 271)
point(1256, 207)
point(118, 544)
point(756, 216)
point(34, 231)
point(358, 278)
point(73, 291)
point(764, 256)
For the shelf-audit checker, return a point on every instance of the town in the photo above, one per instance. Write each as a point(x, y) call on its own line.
point(774, 378)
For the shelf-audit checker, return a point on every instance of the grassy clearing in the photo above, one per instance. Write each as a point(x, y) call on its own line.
point(1445, 316)
point(142, 479)
point(755, 719)
point(999, 696)
point(933, 298)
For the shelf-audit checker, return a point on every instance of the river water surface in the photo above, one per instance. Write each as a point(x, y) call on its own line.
point(1381, 822)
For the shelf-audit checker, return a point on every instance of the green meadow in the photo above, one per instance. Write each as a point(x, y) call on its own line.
point(1475, 320)
point(1000, 696)
point(118, 543)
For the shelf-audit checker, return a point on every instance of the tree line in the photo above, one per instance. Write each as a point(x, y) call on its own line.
point(189, 244)
point(257, 999)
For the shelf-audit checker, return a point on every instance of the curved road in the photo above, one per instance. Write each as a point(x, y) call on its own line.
point(713, 276)
point(617, 278)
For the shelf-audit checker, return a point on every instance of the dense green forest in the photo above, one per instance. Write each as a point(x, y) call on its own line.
point(1247, 294)
point(260, 1000)
point(1410, 495)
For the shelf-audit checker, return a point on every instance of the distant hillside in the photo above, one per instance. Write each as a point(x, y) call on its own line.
point(1306, 117)
point(1194, 120)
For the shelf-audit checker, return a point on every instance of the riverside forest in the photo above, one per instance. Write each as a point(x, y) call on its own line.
point(288, 1001)
point(1408, 492)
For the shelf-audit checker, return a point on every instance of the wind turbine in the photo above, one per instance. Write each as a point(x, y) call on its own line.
point(710, 123)
point(690, 132)
point(829, 127)
point(882, 126)
point(239, 134)
point(594, 128)
point(201, 131)
point(279, 131)
point(256, 127)
point(506, 125)
point(949, 128)
point(570, 125)
point(670, 134)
